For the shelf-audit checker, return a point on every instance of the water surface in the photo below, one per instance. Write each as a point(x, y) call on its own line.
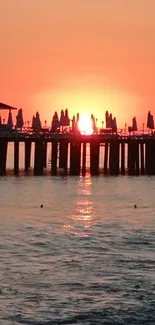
point(86, 257)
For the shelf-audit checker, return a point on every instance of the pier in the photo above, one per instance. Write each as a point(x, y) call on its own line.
point(121, 155)
point(64, 149)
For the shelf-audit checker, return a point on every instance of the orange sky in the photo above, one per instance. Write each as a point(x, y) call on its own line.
point(87, 55)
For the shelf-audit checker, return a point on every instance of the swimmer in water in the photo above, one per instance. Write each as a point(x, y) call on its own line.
point(135, 206)
point(41, 206)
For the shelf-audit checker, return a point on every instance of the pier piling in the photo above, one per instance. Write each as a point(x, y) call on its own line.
point(84, 158)
point(114, 158)
point(54, 157)
point(63, 155)
point(140, 154)
point(45, 154)
point(94, 157)
point(105, 168)
point(142, 158)
point(3, 155)
point(16, 156)
point(75, 157)
point(122, 158)
point(27, 154)
point(38, 157)
point(150, 157)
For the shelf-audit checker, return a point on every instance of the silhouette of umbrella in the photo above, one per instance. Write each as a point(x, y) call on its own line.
point(114, 125)
point(107, 120)
point(93, 122)
point(151, 122)
point(62, 118)
point(37, 120)
point(134, 124)
point(67, 120)
point(19, 119)
point(10, 121)
point(33, 122)
point(110, 121)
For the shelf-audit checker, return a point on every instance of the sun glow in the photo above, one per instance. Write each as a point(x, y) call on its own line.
point(85, 125)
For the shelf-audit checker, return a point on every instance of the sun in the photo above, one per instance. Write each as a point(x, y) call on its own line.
point(85, 125)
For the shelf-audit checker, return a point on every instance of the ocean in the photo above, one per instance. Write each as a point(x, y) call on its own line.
point(86, 257)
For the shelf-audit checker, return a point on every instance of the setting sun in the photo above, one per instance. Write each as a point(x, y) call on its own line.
point(85, 125)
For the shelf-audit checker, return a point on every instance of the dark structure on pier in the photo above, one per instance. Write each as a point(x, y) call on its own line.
point(129, 153)
point(132, 155)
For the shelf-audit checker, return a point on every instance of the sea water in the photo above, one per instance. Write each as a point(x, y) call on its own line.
point(86, 257)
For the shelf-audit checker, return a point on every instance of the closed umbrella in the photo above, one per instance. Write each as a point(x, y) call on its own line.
point(19, 119)
point(134, 125)
point(148, 120)
point(67, 120)
point(114, 126)
point(37, 121)
point(10, 120)
point(62, 118)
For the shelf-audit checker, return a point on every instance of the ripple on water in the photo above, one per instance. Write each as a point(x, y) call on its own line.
point(92, 264)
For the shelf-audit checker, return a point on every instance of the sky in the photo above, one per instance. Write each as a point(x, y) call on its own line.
point(85, 55)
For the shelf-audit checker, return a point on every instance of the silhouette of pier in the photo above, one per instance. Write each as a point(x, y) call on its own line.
point(129, 152)
point(122, 155)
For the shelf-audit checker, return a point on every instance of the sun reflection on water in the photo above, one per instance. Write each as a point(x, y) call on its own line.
point(80, 222)
point(83, 215)
point(85, 185)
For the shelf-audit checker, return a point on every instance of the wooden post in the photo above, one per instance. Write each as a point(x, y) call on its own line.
point(131, 157)
point(105, 168)
point(45, 154)
point(3, 155)
point(54, 157)
point(114, 157)
point(150, 157)
point(122, 158)
point(16, 156)
point(27, 154)
point(63, 155)
point(137, 157)
point(94, 157)
point(84, 159)
point(75, 157)
point(142, 157)
point(38, 157)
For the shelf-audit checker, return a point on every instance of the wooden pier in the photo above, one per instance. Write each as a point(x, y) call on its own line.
point(122, 155)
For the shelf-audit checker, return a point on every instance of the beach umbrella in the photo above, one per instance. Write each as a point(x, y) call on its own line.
point(56, 116)
point(110, 121)
point(151, 122)
point(148, 120)
point(67, 120)
point(73, 124)
point(10, 120)
point(93, 122)
point(77, 117)
point(134, 124)
point(55, 121)
point(19, 119)
point(33, 122)
point(62, 118)
point(107, 119)
point(114, 125)
point(5, 106)
point(37, 121)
